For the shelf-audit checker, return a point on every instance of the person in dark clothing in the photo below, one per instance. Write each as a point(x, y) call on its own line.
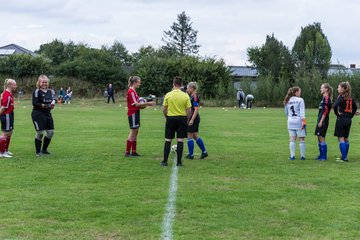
point(323, 119)
point(345, 108)
point(43, 101)
point(177, 110)
point(110, 92)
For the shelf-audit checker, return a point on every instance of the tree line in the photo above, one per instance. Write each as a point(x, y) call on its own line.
point(88, 70)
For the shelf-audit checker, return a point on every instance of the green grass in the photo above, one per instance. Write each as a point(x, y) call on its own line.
point(245, 189)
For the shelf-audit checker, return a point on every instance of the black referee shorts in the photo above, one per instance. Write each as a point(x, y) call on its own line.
point(176, 124)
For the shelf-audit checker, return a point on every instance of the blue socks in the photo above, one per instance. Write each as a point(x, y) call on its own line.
point(323, 151)
point(344, 147)
point(201, 145)
point(190, 143)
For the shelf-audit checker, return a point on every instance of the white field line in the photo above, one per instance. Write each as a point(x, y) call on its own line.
point(171, 204)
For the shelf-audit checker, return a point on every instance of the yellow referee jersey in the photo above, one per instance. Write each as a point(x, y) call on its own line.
point(177, 102)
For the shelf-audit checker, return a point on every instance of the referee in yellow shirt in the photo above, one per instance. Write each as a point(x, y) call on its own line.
point(177, 111)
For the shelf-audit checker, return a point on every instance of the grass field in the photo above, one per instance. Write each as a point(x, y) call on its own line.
point(246, 189)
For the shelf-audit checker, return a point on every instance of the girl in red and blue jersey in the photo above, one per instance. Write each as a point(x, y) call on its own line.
point(323, 119)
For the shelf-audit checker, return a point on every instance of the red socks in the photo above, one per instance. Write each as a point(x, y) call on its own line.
point(130, 146)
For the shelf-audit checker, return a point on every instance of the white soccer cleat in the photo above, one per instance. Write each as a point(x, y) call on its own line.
point(5, 155)
point(9, 153)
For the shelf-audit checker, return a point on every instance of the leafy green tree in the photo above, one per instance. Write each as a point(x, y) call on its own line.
point(312, 50)
point(272, 59)
point(59, 52)
point(23, 65)
point(119, 51)
point(181, 38)
point(97, 66)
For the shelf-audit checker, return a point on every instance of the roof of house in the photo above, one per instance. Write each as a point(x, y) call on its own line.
point(243, 71)
point(14, 49)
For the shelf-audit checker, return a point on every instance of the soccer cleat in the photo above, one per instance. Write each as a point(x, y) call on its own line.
point(292, 158)
point(45, 152)
point(179, 164)
point(302, 158)
point(5, 155)
point(127, 155)
point(9, 153)
point(38, 154)
point(164, 164)
point(341, 159)
point(135, 154)
point(189, 157)
point(204, 155)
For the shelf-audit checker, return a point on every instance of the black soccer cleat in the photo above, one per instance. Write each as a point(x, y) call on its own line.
point(179, 164)
point(204, 155)
point(164, 164)
point(45, 152)
point(127, 155)
point(189, 157)
point(135, 154)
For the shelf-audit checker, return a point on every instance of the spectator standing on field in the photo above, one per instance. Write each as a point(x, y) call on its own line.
point(249, 99)
point(177, 110)
point(7, 117)
point(240, 96)
point(110, 93)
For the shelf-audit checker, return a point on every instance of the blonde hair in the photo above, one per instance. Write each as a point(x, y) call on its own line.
point(41, 77)
point(132, 80)
point(329, 89)
point(291, 92)
point(8, 82)
point(192, 85)
point(347, 89)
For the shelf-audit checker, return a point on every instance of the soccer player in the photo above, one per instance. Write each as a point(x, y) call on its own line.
point(295, 111)
point(323, 119)
point(177, 113)
point(193, 126)
point(240, 97)
point(43, 101)
point(134, 106)
point(344, 108)
point(7, 117)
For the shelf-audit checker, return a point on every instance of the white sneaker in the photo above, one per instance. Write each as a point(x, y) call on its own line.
point(5, 155)
point(9, 153)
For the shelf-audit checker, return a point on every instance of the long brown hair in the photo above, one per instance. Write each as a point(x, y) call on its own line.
point(291, 92)
point(347, 89)
point(329, 90)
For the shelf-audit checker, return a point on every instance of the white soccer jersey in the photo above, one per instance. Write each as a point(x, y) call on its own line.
point(295, 111)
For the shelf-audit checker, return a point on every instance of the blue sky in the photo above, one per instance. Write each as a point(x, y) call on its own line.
point(226, 28)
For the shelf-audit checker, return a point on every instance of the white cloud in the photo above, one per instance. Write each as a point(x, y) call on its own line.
point(226, 28)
